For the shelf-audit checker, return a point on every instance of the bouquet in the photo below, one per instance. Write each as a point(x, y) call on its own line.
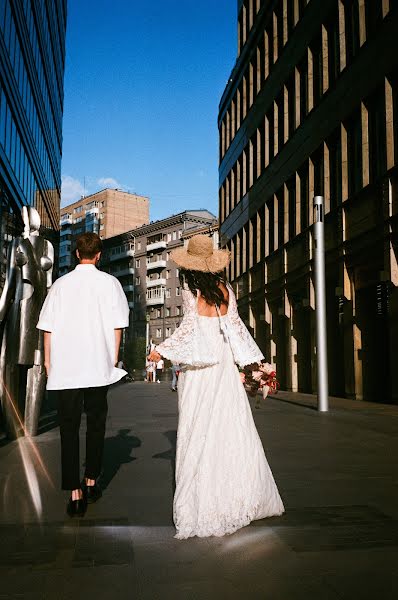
point(261, 377)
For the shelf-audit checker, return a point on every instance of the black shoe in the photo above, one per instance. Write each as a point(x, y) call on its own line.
point(92, 493)
point(76, 508)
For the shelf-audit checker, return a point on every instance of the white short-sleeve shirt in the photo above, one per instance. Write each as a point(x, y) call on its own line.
point(82, 310)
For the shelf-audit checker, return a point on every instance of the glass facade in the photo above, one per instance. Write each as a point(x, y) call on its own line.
point(32, 61)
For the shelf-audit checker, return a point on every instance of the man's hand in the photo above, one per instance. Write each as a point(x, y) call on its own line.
point(118, 339)
point(154, 356)
point(47, 351)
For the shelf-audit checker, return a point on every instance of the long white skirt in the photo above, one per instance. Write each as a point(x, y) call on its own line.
point(223, 480)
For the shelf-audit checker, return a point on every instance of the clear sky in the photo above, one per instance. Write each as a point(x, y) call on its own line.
point(142, 85)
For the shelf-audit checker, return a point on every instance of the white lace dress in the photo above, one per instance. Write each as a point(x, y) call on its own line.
point(223, 480)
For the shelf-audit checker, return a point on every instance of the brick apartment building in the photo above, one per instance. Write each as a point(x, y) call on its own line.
point(108, 213)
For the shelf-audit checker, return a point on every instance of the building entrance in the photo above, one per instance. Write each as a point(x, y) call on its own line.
point(372, 320)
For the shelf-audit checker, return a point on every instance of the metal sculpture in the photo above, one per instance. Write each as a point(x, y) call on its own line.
point(28, 277)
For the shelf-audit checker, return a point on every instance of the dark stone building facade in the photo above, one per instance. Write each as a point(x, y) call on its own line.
point(311, 108)
point(32, 61)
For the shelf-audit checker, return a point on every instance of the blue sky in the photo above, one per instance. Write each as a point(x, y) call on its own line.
point(142, 85)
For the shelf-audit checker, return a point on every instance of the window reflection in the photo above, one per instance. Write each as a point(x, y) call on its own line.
point(31, 104)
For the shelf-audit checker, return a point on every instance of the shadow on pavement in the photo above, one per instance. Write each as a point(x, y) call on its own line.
point(170, 454)
point(117, 452)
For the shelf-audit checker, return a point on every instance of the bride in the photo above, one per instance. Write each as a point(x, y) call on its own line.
point(223, 481)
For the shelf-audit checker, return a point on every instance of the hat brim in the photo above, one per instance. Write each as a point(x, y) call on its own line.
point(213, 264)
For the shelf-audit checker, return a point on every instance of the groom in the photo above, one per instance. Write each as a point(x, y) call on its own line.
point(82, 319)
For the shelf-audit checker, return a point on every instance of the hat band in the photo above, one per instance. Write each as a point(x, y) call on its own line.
point(202, 256)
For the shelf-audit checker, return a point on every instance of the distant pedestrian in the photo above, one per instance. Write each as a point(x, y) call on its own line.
point(175, 369)
point(82, 319)
point(159, 369)
point(150, 371)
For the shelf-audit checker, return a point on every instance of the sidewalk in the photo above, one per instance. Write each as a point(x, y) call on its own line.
point(337, 474)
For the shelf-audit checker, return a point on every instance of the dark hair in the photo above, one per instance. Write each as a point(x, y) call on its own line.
point(206, 283)
point(88, 244)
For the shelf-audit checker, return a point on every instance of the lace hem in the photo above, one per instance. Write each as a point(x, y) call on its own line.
point(224, 525)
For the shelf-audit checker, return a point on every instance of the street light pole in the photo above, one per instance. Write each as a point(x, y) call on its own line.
point(320, 305)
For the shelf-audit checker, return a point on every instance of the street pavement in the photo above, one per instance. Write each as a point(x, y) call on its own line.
point(336, 472)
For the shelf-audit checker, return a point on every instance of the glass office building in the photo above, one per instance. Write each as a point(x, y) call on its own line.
point(32, 61)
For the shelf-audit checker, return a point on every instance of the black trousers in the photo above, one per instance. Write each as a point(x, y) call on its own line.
point(71, 403)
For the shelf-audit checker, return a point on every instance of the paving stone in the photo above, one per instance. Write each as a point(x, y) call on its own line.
point(337, 540)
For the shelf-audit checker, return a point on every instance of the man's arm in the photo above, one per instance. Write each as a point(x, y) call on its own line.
point(47, 351)
point(118, 339)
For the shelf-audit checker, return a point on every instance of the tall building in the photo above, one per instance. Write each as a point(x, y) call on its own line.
point(108, 213)
point(140, 259)
point(32, 60)
point(311, 108)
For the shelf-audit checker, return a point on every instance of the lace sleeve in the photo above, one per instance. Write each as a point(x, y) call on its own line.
point(185, 346)
point(244, 348)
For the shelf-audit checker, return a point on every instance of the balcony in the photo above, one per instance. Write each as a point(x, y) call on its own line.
point(122, 254)
point(155, 296)
point(153, 282)
point(161, 245)
point(157, 264)
point(128, 288)
point(66, 221)
point(92, 211)
point(67, 231)
point(124, 271)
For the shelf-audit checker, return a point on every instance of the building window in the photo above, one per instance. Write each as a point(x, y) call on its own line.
point(169, 237)
point(177, 291)
point(373, 16)
point(158, 313)
point(137, 263)
point(138, 280)
point(177, 272)
point(168, 293)
point(377, 135)
point(167, 311)
point(354, 143)
point(138, 245)
point(158, 332)
point(178, 311)
point(78, 209)
point(351, 14)
point(291, 190)
point(168, 331)
point(102, 226)
point(167, 255)
point(180, 234)
point(174, 235)
point(334, 145)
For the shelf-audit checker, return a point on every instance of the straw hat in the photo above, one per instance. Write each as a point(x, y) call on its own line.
point(200, 255)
